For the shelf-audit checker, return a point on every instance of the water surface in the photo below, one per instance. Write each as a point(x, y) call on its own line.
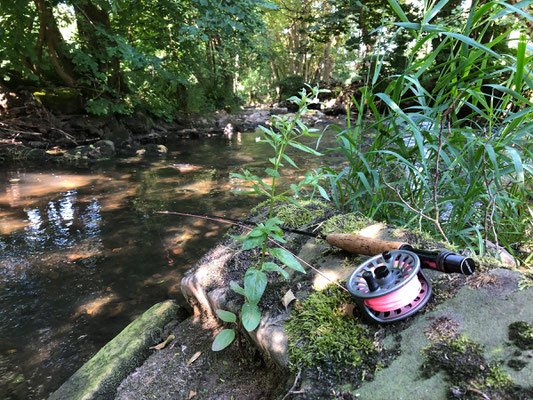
point(82, 254)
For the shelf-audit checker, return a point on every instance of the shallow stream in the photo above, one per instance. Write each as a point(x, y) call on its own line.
point(82, 254)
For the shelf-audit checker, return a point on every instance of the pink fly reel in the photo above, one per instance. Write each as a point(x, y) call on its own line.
point(390, 286)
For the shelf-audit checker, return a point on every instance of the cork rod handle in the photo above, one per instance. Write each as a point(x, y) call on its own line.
point(361, 244)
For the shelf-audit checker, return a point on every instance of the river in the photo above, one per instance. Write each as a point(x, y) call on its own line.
point(82, 254)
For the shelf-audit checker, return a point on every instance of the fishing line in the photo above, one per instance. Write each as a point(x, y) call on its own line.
point(397, 299)
point(239, 223)
point(218, 218)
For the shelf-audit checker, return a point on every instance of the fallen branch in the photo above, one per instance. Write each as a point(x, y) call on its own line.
point(293, 387)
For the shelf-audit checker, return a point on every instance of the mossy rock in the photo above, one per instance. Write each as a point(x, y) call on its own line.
point(295, 217)
point(100, 377)
point(65, 101)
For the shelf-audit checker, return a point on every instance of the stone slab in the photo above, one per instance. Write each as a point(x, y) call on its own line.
point(483, 315)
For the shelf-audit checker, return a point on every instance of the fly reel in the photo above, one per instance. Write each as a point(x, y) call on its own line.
point(390, 286)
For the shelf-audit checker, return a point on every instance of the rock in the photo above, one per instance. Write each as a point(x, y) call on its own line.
point(278, 110)
point(37, 145)
point(168, 374)
point(116, 131)
point(228, 129)
point(483, 315)
point(336, 110)
point(152, 137)
point(100, 377)
point(501, 254)
point(188, 132)
point(482, 307)
point(99, 150)
point(37, 155)
point(106, 148)
point(157, 150)
point(138, 123)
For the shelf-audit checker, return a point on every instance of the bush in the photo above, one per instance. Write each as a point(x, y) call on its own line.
point(290, 86)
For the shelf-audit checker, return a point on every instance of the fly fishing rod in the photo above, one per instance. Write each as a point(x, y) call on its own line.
point(389, 286)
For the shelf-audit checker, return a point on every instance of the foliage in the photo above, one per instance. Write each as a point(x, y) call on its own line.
point(453, 157)
point(290, 86)
point(130, 55)
point(285, 132)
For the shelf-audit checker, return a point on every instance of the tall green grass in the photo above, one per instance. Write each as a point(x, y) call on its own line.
point(450, 149)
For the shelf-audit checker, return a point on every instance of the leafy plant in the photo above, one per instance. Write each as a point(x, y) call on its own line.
point(285, 132)
point(452, 155)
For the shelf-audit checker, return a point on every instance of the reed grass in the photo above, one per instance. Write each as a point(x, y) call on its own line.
point(450, 150)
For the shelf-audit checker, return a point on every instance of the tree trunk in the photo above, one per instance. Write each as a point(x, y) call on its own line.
point(89, 18)
point(327, 62)
point(50, 36)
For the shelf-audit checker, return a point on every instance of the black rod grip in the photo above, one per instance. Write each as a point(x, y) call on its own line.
point(444, 261)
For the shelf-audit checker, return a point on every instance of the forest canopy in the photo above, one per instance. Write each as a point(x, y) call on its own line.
point(174, 56)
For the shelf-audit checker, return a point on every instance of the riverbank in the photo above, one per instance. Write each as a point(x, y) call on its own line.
point(33, 132)
point(477, 325)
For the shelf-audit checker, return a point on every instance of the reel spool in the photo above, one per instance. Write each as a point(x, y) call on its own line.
point(390, 286)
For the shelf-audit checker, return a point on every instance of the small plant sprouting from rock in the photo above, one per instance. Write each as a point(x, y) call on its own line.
point(285, 132)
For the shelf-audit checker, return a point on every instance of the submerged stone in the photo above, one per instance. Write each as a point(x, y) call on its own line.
point(102, 374)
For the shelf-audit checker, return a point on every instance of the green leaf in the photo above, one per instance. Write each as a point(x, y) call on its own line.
point(272, 172)
point(323, 192)
point(270, 266)
point(255, 283)
point(256, 232)
point(251, 242)
point(517, 161)
point(286, 258)
point(273, 223)
point(223, 339)
point(251, 316)
point(304, 148)
point(226, 316)
point(289, 160)
point(236, 288)
point(398, 10)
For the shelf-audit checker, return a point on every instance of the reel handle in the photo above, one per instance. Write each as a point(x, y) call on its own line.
point(361, 244)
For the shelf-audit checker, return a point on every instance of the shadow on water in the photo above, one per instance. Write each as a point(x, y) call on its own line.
point(82, 254)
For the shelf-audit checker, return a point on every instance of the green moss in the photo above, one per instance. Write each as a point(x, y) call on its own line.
point(66, 100)
point(526, 281)
point(471, 376)
point(521, 334)
point(259, 206)
point(319, 333)
point(295, 217)
point(332, 345)
point(345, 223)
